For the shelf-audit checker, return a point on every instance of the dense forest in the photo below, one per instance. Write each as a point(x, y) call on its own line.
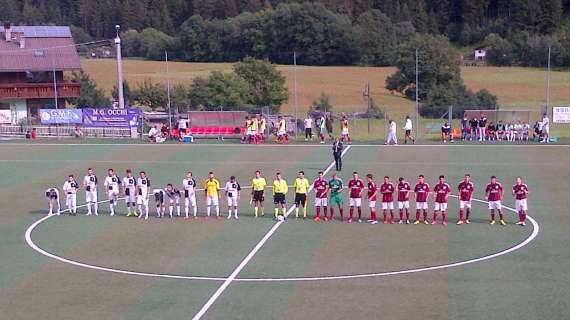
point(327, 32)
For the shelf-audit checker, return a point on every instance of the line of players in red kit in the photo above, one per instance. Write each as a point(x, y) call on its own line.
point(494, 193)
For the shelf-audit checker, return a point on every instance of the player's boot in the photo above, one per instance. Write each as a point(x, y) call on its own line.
point(401, 221)
point(492, 222)
point(460, 222)
point(350, 220)
point(426, 222)
point(391, 221)
point(417, 222)
point(467, 221)
point(326, 219)
point(317, 219)
point(519, 223)
point(434, 222)
point(408, 221)
point(523, 223)
point(374, 222)
point(503, 223)
point(444, 223)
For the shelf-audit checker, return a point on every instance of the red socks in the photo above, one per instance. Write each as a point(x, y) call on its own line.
point(461, 214)
point(407, 214)
point(351, 212)
point(359, 213)
point(418, 215)
point(318, 212)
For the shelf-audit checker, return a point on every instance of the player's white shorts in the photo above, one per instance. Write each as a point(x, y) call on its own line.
point(131, 197)
point(521, 205)
point(142, 200)
point(112, 195)
point(372, 204)
point(91, 196)
point(403, 204)
point(355, 202)
point(212, 201)
point(495, 205)
point(464, 204)
point(344, 132)
point(190, 200)
point(440, 206)
point(232, 201)
point(174, 200)
point(387, 205)
point(321, 202)
point(71, 200)
point(421, 205)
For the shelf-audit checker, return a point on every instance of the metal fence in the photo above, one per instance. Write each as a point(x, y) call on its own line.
point(66, 131)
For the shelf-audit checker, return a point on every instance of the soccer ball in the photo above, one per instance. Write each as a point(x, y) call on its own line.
point(280, 218)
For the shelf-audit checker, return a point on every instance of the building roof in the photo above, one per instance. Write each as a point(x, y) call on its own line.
point(38, 48)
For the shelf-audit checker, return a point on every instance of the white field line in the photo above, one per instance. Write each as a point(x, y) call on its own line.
point(251, 254)
point(525, 242)
point(179, 145)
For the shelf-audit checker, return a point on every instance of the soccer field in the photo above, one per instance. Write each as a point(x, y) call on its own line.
point(104, 267)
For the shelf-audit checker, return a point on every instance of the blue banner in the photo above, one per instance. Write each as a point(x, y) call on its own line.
point(109, 117)
point(61, 116)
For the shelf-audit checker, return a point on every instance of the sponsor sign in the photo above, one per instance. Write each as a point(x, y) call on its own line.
point(561, 114)
point(61, 116)
point(5, 116)
point(109, 117)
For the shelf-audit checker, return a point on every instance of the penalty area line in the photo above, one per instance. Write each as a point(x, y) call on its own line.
point(251, 254)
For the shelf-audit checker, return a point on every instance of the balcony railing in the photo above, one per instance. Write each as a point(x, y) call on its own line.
point(39, 90)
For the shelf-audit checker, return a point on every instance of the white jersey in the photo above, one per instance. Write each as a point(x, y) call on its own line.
point(112, 183)
point(189, 187)
point(143, 185)
point(90, 183)
point(70, 187)
point(232, 188)
point(408, 125)
point(393, 127)
point(129, 183)
point(308, 123)
point(52, 193)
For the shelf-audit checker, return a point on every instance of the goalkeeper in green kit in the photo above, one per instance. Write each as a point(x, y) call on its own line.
point(336, 187)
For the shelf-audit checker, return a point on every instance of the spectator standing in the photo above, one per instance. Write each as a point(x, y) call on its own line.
point(445, 132)
point(545, 128)
point(392, 133)
point(182, 126)
point(308, 122)
point(408, 126)
point(464, 128)
point(481, 131)
point(474, 122)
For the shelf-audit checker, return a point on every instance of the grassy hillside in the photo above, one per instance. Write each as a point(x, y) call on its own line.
point(516, 87)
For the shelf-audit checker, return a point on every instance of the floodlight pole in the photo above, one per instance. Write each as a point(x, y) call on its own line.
point(417, 95)
point(295, 93)
point(119, 68)
point(168, 90)
point(548, 81)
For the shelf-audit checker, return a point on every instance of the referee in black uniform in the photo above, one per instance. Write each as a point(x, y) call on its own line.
point(337, 154)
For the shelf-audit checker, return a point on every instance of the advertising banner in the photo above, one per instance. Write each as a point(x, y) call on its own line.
point(5, 116)
point(108, 117)
point(61, 116)
point(561, 114)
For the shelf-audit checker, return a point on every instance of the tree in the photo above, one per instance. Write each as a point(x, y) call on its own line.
point(181, 98)
point(150, 95)
point(91, 96)
point(499, 51)
point(266, 83)
point(126, 93)
point(199, 93)
point(323, 103)
point(227, 90)
point(154, 43)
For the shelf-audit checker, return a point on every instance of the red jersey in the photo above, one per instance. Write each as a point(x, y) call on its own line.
point(495, 191)
point(387, 190)
point(422, 191)
point(465, 190)
point(404, 191)
point(356, 186)
point(372, 188)
point(320, 186)
point(442, 190)
point(520, 191)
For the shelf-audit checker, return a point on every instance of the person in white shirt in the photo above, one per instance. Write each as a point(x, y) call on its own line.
point(129, 190)
point(90, 185)
point(189, 186)
point(154, 135)
point(173, 196)
point(52, 197)
point(392, 133)
point(70, 188)
point(308, 122)
point(233, 190)
point(142, 190)
point(546, 128)
point(408, 130)
point(112, 184)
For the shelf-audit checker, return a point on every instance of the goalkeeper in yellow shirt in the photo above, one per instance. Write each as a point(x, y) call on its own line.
point(301, 188)
point(258, 188)
point(212, 194)
point(280, 189)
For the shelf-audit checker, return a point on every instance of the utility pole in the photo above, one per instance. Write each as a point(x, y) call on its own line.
point(417, 94)
point(548, 81)
point(295, 98)
point(367, 96)
point(168, 90)
point(119, 68)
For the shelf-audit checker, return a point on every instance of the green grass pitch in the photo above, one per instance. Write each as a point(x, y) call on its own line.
point(529, 283)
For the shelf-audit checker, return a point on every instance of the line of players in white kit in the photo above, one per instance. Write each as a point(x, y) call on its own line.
point(137, 192)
